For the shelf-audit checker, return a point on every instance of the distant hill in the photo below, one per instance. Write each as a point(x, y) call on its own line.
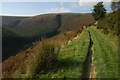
point(11, 21)
point(72, 21)
point(46, 25)
point(38, 26)
point(21, 31)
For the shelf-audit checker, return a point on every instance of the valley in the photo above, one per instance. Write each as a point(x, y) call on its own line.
point(21, 31)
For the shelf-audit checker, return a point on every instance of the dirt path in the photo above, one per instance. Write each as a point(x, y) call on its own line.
point(88, 61)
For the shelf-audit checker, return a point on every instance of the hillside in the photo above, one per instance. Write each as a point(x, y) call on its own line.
point(11, 43)
point(75, 20)
point(48, 24)
point(110, 24)
point(15, 63)
point(38, 26)
point(11, 21)
point(21, 31)
point(76, 54)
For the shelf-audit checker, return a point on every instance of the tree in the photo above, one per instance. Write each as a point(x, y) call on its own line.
point(115, 5)
point(99, 11)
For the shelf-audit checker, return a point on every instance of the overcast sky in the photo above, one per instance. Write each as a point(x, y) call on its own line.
point(37, 8)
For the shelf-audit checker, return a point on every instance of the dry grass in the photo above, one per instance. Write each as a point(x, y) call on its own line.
point(42, 57)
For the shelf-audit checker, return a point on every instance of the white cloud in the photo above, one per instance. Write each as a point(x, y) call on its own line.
point(87, 3)
point(95, 1)
point(60, 10)
point(91, 3)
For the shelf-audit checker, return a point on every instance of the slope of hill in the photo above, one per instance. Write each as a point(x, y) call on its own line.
point(11, 21)
point(30, 29)
point(111, 23)
point(49, 24)
point(11, 42)
point(68, 58)
point(13, 67)
point(72, 21)
point(38, 25)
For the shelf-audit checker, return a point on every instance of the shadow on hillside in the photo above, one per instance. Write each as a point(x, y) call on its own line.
point(12, 45)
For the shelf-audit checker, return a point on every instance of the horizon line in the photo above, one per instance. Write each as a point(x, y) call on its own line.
point(42, 14)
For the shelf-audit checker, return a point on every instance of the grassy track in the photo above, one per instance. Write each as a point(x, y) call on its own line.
point(71, 58)
point(105, 56)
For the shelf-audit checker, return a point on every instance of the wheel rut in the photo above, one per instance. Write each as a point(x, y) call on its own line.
point(88, 61)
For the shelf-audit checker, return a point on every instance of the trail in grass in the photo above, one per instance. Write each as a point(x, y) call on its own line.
point(71, 58)
point(89, 55)
point(88, 61)
point(105, 56)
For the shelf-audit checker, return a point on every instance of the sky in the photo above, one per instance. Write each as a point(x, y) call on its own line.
point(38, 8)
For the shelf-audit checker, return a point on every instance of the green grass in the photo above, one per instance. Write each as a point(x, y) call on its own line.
point(105, 55)
point(71, 59)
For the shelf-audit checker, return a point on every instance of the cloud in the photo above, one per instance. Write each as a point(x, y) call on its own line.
point(91, 3)
point(74, 4)
point(95, 1)
point(87, 5)
point(60, 10)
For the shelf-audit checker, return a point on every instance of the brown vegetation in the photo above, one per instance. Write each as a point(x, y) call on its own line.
point(41, 57)
point(31, 29)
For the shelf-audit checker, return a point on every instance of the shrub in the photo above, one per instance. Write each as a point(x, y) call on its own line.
point(47, 56)
point(44, 58)
point(110, 24)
